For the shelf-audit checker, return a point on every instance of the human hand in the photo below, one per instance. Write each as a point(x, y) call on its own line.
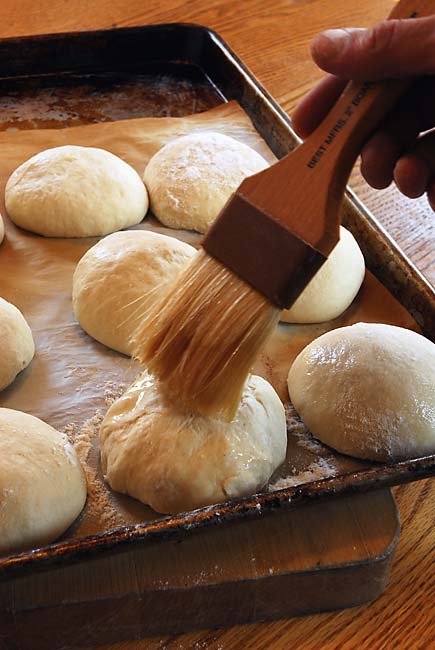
point(400, 149)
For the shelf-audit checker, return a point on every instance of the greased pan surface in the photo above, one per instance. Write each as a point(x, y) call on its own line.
point(88, 78)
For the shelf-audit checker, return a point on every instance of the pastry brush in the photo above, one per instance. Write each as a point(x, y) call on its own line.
point(204, 334)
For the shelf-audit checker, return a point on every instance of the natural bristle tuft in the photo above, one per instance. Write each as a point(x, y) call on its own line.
point(202, 338)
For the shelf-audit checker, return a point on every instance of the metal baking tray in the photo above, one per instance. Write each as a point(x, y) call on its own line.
point(174, 70)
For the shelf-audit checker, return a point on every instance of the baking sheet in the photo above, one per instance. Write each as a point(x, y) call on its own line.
point(73, 379)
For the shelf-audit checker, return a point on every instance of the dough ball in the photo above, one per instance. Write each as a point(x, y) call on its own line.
point(112, 281)
point(334, 286)
point(16, 341)
point(75, 192)
point(175, 460)
point(42, 485)
point(2, 229)
point(368, 390)
point(190, 179)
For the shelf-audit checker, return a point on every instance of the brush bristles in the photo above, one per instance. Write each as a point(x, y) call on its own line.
point(202, 338)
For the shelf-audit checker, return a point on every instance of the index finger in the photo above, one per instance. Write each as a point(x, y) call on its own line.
point(316, 104)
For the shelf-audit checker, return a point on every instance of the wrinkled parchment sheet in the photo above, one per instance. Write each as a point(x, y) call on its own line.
point(73, 379)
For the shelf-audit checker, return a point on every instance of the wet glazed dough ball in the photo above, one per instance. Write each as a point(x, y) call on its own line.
point(16, 341)
point(191, 178)
point(42, 485)
point(174, 460)
point(113, 280)
point(75, 191)
point(368, 390)
point(334, 286)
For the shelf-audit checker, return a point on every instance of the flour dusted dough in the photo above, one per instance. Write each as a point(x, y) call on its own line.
point(16, 343)
point(42, 486)
point(75, 191)
point(191, 178)
point(334, 286)
point(368, 390)
point(175, 460)
point(2, 229)
point(113, 280)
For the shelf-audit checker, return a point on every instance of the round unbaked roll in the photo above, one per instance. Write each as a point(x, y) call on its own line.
point(17, 346)
point(2, 229)
point(175, 460)
point(114, 281)
point(334, 286)
point(42, 485)
point(368, 390)
point(190, 179)
point(75, 191)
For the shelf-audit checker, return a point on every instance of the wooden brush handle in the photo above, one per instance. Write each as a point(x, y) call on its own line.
point(320, 167)
point(282, 223)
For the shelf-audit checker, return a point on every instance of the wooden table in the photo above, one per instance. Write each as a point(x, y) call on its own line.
point(272, 37)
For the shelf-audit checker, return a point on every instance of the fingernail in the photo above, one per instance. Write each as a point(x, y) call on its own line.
point(330, 44)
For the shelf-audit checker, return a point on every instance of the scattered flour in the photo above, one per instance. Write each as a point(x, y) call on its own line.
point(304, 438)
point(316, 471)
point(100, 509)
point(324, 465)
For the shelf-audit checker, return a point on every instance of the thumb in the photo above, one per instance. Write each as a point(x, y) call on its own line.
point(390, 49)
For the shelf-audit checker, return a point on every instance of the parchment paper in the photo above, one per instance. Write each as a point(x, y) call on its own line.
point(73, 379)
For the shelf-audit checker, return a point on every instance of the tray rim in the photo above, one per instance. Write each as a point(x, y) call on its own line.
point(176, 526)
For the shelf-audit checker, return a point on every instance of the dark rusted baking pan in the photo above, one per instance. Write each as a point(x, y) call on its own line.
point(196, 66)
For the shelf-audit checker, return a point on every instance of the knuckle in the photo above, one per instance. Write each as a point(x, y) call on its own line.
point(381, 37)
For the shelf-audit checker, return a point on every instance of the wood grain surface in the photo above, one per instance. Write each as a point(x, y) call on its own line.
point(272, 37)
point(321, 557)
